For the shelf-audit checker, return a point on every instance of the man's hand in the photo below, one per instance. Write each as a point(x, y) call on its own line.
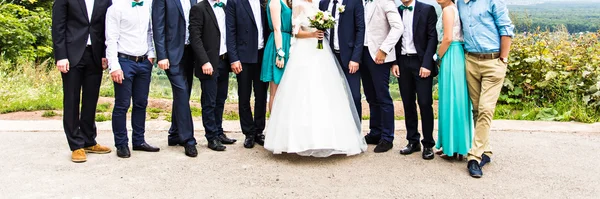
point(424, 73)
point(236, 67)
point(151, 60)
point(353, 66)
point(117, 76)
point(104, 63)
point(164, 64)
point(380, 57)
point(63, 65)
point(396, 71)
point(207, 69)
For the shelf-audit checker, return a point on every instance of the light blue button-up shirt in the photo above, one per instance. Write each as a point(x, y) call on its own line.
point(484, 22)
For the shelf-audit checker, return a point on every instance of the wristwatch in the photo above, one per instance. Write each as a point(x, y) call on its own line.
point(504, 60)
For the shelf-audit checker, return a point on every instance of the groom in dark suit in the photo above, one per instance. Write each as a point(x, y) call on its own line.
point(347, 39)
point(246, 36)
point(79, 50)
point(170, 20)
point(415, 70)
point(207, 37)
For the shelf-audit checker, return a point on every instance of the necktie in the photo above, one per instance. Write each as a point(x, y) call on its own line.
point(332, 31)
point(219, 4)
point(403, 7)
point(134, 4)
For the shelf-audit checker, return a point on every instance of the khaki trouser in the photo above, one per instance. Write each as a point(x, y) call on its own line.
point(484, 78)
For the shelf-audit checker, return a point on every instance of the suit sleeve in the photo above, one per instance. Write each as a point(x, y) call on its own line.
point(431, 39)
point(59, 28)
point(359, 24)
point(230, 37)
point(396, 26)
point(158, 28)
point(195, 28)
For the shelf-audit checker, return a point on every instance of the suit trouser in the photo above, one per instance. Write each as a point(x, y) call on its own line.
point(376, 85)
point(136, 85)
point(248, 79)
point(354, 83)
point(208, 99)
point(222, 92)
point(411, 83)
point(181, 78)
point(484, 78)
point(80, 129)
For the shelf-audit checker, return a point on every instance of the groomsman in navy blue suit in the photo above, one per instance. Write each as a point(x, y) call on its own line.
point(170, 20)
point(246, 37)
point(347, 39)
point(415, 71)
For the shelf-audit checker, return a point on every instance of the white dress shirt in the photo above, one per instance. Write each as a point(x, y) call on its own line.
point(336, 40)
point(256, 9)
point(369, 8)
point(89, 5)
point(408, 44)
point(128, 31)
point(220, 15)
point(186, 5)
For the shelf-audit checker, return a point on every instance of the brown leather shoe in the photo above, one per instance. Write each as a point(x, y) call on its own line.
point(99, 149)
point(78, 156)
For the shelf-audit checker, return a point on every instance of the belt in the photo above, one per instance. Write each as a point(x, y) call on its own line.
point(410, 55)
point(336, 51)
point(484, 55)
point(133, 58)
point(223, 56)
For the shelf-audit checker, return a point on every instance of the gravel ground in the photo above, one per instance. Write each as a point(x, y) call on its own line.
point(532, 160)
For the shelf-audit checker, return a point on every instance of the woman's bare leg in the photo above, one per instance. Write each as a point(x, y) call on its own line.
point(272, 91)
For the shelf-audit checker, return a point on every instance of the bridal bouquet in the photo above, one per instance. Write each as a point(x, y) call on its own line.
point(322, 21)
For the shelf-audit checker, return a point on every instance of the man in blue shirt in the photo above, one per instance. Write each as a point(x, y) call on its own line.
point(488, 31)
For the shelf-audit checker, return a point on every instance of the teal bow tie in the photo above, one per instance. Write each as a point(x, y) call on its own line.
point(403, 7)
point(220, 4)
point(367, 1)
point(134, 4)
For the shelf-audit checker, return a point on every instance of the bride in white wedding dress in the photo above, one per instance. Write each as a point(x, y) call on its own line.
point(313, 112)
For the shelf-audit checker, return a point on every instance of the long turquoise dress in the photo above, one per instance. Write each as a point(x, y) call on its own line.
point(455, 117)
point(270, 72)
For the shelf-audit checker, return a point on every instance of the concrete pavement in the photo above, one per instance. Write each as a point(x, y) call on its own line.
point(532, 160)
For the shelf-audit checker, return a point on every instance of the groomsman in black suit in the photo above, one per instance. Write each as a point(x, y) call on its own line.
point(347, 40)
point(415, 70)
point(79, 50)
point(170, 20)
point(246, 36)
point(207, 37)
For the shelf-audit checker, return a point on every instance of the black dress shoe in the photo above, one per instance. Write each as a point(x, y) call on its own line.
point(249, 142)
point(173, 142)
point(383, 146)
point(371, 140)
point(216, 145)
point(260, 139)
point(474, 169)
point(484, 160)
point(146, 147)
point(190, 150)
point(123, 152)
point(428, 153)
point(410, 148)
point(225, 140)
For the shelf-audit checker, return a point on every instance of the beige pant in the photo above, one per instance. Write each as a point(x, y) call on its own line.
point(484, 78)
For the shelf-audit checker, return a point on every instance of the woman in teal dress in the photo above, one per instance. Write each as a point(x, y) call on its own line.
point(279, 16)
point(455, 118)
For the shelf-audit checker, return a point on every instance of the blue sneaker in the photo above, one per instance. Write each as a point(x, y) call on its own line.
point(474, 169)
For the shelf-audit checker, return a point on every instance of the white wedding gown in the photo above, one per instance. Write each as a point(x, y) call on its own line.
point(313, 112)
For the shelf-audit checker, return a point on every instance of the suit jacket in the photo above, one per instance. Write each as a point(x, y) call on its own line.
point(169, 27)
point(384, 28)
point(424, 35)
point(242, 35)
point(205, 37)
point(71, 27)
point(351, 29)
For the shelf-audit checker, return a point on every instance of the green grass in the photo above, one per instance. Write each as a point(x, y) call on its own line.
point(104, 107)
point(49, 114)
point(101, 117)
point(153, 116)
point(196, 112)
point(231, 115)
point(154, 110)
point(168, 118)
